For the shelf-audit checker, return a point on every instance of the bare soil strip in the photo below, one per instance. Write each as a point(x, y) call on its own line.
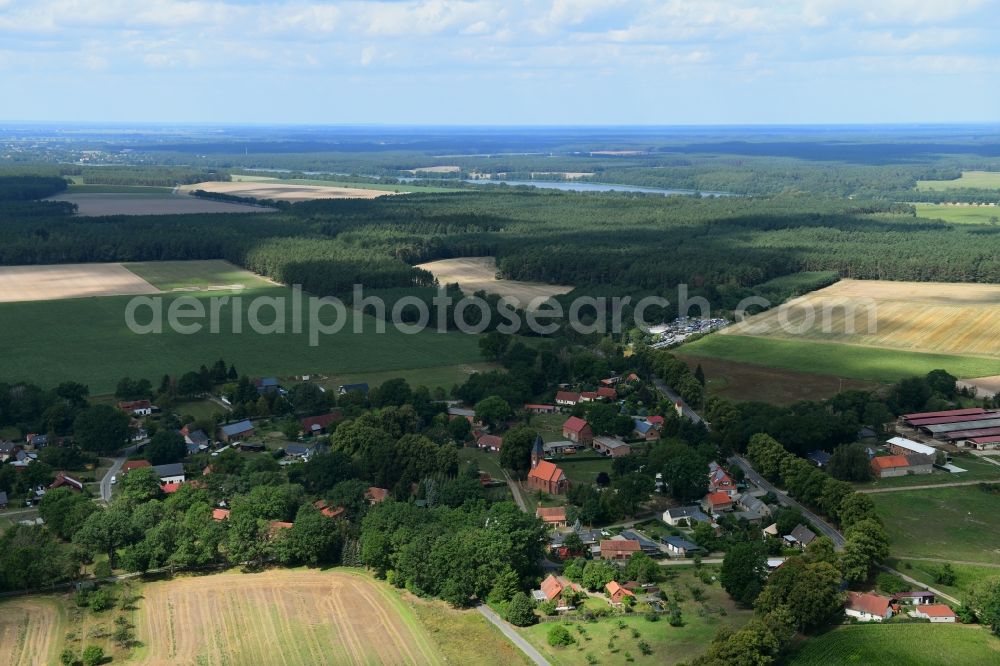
point(47, 283)
point(480, 273)
point(284, 192)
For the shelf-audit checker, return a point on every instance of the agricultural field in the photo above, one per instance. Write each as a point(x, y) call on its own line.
point(900, 645)
point(975, 179)
point(100, 202)
point(668, 645)
point(959, 213)
point(197, 275)
point(293, 616)
point(281, 190)
point(986, 387)
point(31, 631)
point(99, 349)
point(960, 523)
point(934, 317)
point(848, 361)
point(480, 273)
point(748, 382)
point(46, 283)
point(443, 377)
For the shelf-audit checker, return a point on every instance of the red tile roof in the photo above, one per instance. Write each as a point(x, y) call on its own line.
point(574, 424)
point(873, 604)
point(546, 471)
point(554, 514)
point(220, 514)
point(606, 392)
point(887, 462)
point(63, 479)
point(530, 405)
point(323, 420)
point(936, 610)
point(376, 495)
point(551, 587)
point(620, 546)
point(489, 441)
point(169, 488)
point(327, 510)
point(655, 420)
point(134, 464)
point(567, 396)
point(133, 405)
point(614, 588)
point(719, 498)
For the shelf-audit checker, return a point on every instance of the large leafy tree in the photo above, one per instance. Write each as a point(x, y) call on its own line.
point(515, 454)
point(101, 429)
point(866, 546)
point(166, 446)
point(744, 571)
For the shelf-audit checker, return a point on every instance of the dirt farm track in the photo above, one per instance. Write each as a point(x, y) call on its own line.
point(280, 617)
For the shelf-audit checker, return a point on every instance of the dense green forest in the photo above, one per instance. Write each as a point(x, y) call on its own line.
point(631, 244)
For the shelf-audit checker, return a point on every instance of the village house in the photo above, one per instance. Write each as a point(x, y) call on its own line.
point(800, 537)
point(319, 425)
point(196, 439)
point(567, 398)
point(554, 588)
point(234, 432)
point(63, 480)
point(375, 495)
point(685, 516)
point(489, 442)
point(868, 607)
point(540, 409)
point(267, 385)
point(171, 473)
point(220, 514)
point(611, 446)
point(619, 549)
point(606, 393)
point(462, 413)
point(136, 407)
point(329, 511)
point(611, 381)
point(884, 467)
point(720, 482)
point(361, 388)
point(645, 430)
point(577, 430)
point(552, 517)
point(936, 613)
point(915, 598)
point(617, 593)
point(679, 546)
point(770, 531)
point(717, 502)
point(588, 396)
point(819, 457)
point(8, 450)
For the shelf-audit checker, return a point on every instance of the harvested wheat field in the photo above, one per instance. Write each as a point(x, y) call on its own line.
point(985, 387)
point(279, 617)
point(480, 273)
point(275, 189)
point(31, 630)
point(945, 318)
point(48, 283)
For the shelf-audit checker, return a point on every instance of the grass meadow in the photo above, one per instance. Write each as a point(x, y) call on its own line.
point(839, 360)
point(958, 214)
point(613, 641)
point(194, 275)
point(900, 645)
point(960, 523)
point(977, 179)
point(925, 570)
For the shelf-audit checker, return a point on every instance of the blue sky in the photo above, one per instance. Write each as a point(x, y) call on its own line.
point(504, 62)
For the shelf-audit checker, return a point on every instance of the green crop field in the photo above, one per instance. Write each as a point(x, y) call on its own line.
point(959, 214)
point(86, 339)
point(976, 179)
point(900, 645)
point(960, 523)
point(196, 274)
point(840, 360)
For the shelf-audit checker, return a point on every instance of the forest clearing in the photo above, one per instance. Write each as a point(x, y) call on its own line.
point(480, 274)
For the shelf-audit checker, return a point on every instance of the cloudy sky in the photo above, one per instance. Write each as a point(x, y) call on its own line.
point(503, 62)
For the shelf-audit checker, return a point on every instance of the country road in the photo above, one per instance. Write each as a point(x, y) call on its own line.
point(114, 470)
point(515, 638)
point(763, 484)
point(928, 486)
point(686, 410)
